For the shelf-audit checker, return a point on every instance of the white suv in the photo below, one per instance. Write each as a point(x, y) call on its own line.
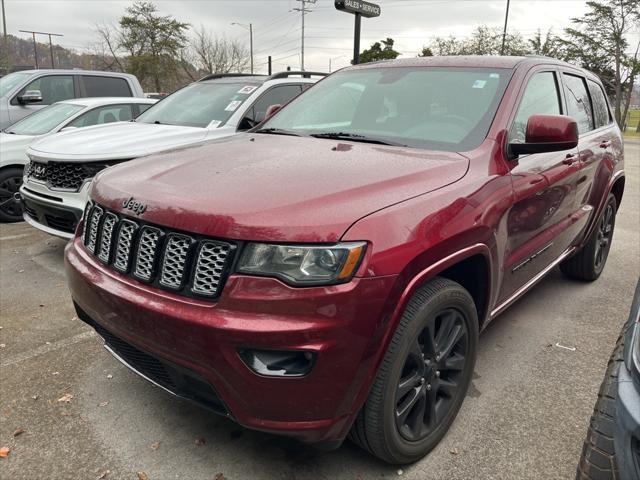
point(57, 179)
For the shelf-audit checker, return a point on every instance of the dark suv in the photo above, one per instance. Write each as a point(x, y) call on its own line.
point(329, 271)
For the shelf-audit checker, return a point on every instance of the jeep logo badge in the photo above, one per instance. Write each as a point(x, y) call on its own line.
point(136, 207)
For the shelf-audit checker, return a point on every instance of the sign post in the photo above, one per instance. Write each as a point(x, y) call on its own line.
point(359, 9)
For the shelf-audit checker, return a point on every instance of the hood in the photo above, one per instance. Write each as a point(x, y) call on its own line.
point(13, 148)
point(273, 187)
point(122, 140)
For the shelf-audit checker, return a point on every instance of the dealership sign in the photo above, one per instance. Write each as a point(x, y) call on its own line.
point(365, 9)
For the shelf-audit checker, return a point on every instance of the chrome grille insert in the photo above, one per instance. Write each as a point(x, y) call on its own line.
point(85, 218)
point(210, 267)
point(125, 242)
point(108, 224)
point(94, 223)
point(184, 264)
point(174, 260)
point(146, 255)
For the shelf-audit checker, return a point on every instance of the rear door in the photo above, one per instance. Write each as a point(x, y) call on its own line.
point(540, 222)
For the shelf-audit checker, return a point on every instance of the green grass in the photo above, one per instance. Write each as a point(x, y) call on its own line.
point(633, 117)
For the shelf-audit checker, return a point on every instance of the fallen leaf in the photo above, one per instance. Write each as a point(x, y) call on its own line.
point(154, 445)
point(19, 431)
point(219, 476)
point(42, 304)
point(104, 474)
point(200, 441)
point(66, 398)
point(103, 404)
point(143, 476)
point(4, 452)
point(454, 451)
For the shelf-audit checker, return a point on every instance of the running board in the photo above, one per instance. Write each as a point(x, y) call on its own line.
point(523, 289)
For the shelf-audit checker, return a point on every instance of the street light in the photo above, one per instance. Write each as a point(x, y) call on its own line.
point(334, 58)
point(250, 28)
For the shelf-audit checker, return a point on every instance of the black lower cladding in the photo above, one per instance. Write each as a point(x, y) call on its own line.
point(58, 218)
point(179, 380)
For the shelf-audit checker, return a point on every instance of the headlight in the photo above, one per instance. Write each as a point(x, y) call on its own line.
point(303, 265)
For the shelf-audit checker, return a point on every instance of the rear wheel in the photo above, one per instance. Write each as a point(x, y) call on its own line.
point(589, 262)
point(424, 376)
point(10, 182)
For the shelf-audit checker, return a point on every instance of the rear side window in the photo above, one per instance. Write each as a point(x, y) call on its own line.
point(275, 96)
point(578, 104)
point(540, 98)
point(600, 107)
point(106, 114)
point(96, 86)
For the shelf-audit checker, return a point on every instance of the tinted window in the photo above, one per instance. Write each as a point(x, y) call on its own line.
point(95, 86)
point(438, 108)
point(45, 119)
point(600, 107)
point(106, 114)
point(275, 96)
point(53, 88)
point(540, 98)
point(578, 104)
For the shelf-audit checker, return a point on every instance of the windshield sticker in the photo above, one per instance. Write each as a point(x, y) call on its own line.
point(215, 124)
point(494, 75)
point(247, 90)
point(479, 83)
point(233, 106)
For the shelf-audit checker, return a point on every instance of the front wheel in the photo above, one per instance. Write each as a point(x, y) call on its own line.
point(10, 182)
point(589, 262)
point(424, 376)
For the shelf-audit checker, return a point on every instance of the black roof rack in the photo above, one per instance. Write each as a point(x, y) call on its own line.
point(214, 76)
point(288, 74)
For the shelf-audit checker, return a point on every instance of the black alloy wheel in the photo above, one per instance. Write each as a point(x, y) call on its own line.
point(10, 206)
point(431, 377)
point(603, 237)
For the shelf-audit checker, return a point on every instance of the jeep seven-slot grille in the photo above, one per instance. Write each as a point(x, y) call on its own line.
point(170, 260)
point(62, 176)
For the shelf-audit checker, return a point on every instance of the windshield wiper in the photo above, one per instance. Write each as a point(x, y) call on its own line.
point(355, 138)
point(277, 131)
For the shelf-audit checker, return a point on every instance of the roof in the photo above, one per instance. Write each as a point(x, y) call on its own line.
point(98, 101)
point(242, 78)
point(477, 61)
point(76, 71)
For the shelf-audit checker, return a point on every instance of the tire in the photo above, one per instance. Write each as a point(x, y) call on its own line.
point(589, 262)
point(598, 460)
point(389, 425)
point(10, 181)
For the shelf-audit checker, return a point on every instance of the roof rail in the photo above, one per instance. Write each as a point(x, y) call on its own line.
point(213, 76)
point(288, 74)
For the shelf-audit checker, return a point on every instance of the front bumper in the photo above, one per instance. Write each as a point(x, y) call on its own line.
point(341, 324)
point(54, 212)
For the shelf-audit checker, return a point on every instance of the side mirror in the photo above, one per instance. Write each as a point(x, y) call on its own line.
point(272, 110)
point(30, 96)
point(547, 133)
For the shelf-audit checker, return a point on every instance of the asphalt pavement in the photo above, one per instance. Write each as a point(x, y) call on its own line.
point(68, 410)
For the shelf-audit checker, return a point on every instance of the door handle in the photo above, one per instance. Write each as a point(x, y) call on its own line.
point(570, 159)
point(605, 144)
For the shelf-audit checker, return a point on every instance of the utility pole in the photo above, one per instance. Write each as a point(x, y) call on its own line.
point(250, 28)
point(504, 32)
point(35, 46)
point(303, 11)
point(7, 61)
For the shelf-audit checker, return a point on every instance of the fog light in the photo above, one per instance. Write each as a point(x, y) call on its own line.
point(279, 363)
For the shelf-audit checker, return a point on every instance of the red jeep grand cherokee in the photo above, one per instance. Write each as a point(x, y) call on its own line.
point(330, 271)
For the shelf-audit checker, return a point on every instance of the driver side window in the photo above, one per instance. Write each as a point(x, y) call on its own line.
point(540, 98)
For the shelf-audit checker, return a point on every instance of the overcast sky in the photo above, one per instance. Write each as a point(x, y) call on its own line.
point(277, 29)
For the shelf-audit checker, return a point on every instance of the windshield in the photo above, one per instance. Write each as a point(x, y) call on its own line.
point(8, 82)
point(44, 120)
point(199, 105)
point(424, 107)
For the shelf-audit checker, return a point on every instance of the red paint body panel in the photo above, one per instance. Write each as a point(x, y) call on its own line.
point(420, 212)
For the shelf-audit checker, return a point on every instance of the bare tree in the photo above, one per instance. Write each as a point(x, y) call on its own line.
point(106, 47)
point(214, 54)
